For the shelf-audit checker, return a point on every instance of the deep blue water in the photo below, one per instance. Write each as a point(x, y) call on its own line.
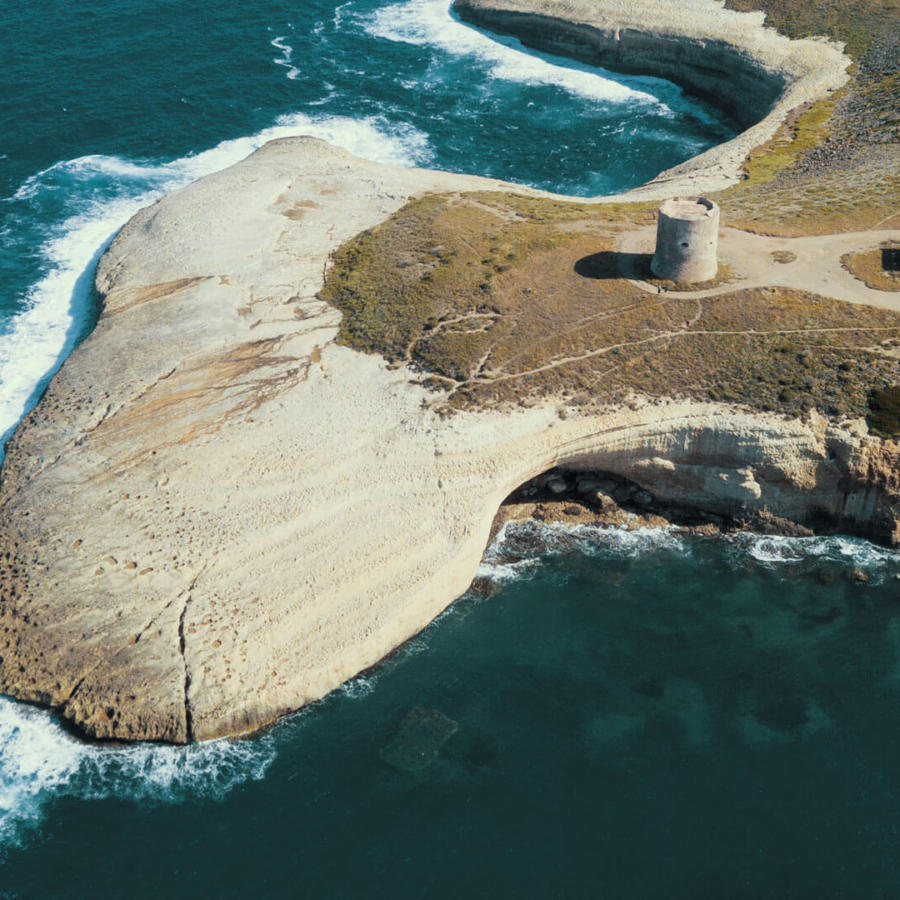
point(631, 715)
point(635, 715)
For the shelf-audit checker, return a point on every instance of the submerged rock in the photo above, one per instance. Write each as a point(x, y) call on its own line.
point(419, 739)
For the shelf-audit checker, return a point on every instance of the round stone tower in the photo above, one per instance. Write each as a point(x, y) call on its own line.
point(687, 235)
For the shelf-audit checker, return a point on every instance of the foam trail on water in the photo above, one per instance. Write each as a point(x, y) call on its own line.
point(97, 195)
point(39, 762)
point(340, 12)
point(855, 552)
point(429, 22)
point(285, 60)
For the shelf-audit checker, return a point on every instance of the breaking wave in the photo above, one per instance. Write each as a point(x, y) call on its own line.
point(520, 547)
point(85, 201)
point(854, 553)
point(41, 762)
point(429, 22)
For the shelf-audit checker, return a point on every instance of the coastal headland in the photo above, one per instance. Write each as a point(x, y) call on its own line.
point(315, 379)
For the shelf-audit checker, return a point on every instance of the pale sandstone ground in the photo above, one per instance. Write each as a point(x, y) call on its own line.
point(216, 514)
point(752, 261)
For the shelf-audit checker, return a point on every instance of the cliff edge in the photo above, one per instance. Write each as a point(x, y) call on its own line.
point(729, 57)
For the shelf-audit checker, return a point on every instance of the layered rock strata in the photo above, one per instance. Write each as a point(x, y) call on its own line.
point(217, 515)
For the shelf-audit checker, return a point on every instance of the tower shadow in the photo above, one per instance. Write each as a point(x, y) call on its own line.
point(609, 264)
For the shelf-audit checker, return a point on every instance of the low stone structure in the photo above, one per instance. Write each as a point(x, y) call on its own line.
point(687, 237)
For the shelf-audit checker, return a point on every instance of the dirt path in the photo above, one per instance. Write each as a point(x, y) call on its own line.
point(816, 265)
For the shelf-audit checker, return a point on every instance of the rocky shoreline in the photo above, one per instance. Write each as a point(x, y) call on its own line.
point(608, 500)
point(217, 514)
point(756, 74)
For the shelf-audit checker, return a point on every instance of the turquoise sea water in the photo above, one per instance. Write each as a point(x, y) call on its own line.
point(636, 715)
point(632, 715)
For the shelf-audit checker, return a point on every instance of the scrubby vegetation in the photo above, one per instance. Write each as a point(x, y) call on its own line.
point(868, 266)
point(834, 166)
point(497, 299)
point(884, 414)
point(855, 22)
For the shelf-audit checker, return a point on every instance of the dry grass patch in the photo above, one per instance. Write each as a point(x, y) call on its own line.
point(849, 21)
point(833, 166)
point(496, 301)
point(868, 267)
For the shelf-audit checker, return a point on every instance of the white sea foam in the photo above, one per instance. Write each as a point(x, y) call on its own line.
point(99, 194)
point(520, 547)
point(510, 571)
point(359, 687)
point(34, 340)
point(40, 761)
point(285, 60)
point(340, 12)
point(855, 552)
point(430, 22)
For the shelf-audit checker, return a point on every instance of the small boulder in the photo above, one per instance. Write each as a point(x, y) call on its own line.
point(602, 501)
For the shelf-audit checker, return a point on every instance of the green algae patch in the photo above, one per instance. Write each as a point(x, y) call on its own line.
point(494, 299)
point(799, 134)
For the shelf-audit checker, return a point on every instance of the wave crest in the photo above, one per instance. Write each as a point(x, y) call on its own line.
point(430, 22)
point(40, 761)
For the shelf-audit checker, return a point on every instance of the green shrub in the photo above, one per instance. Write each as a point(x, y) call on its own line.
point(884, 415)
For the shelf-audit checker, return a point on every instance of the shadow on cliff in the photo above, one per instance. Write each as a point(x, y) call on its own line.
point(609, 264)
